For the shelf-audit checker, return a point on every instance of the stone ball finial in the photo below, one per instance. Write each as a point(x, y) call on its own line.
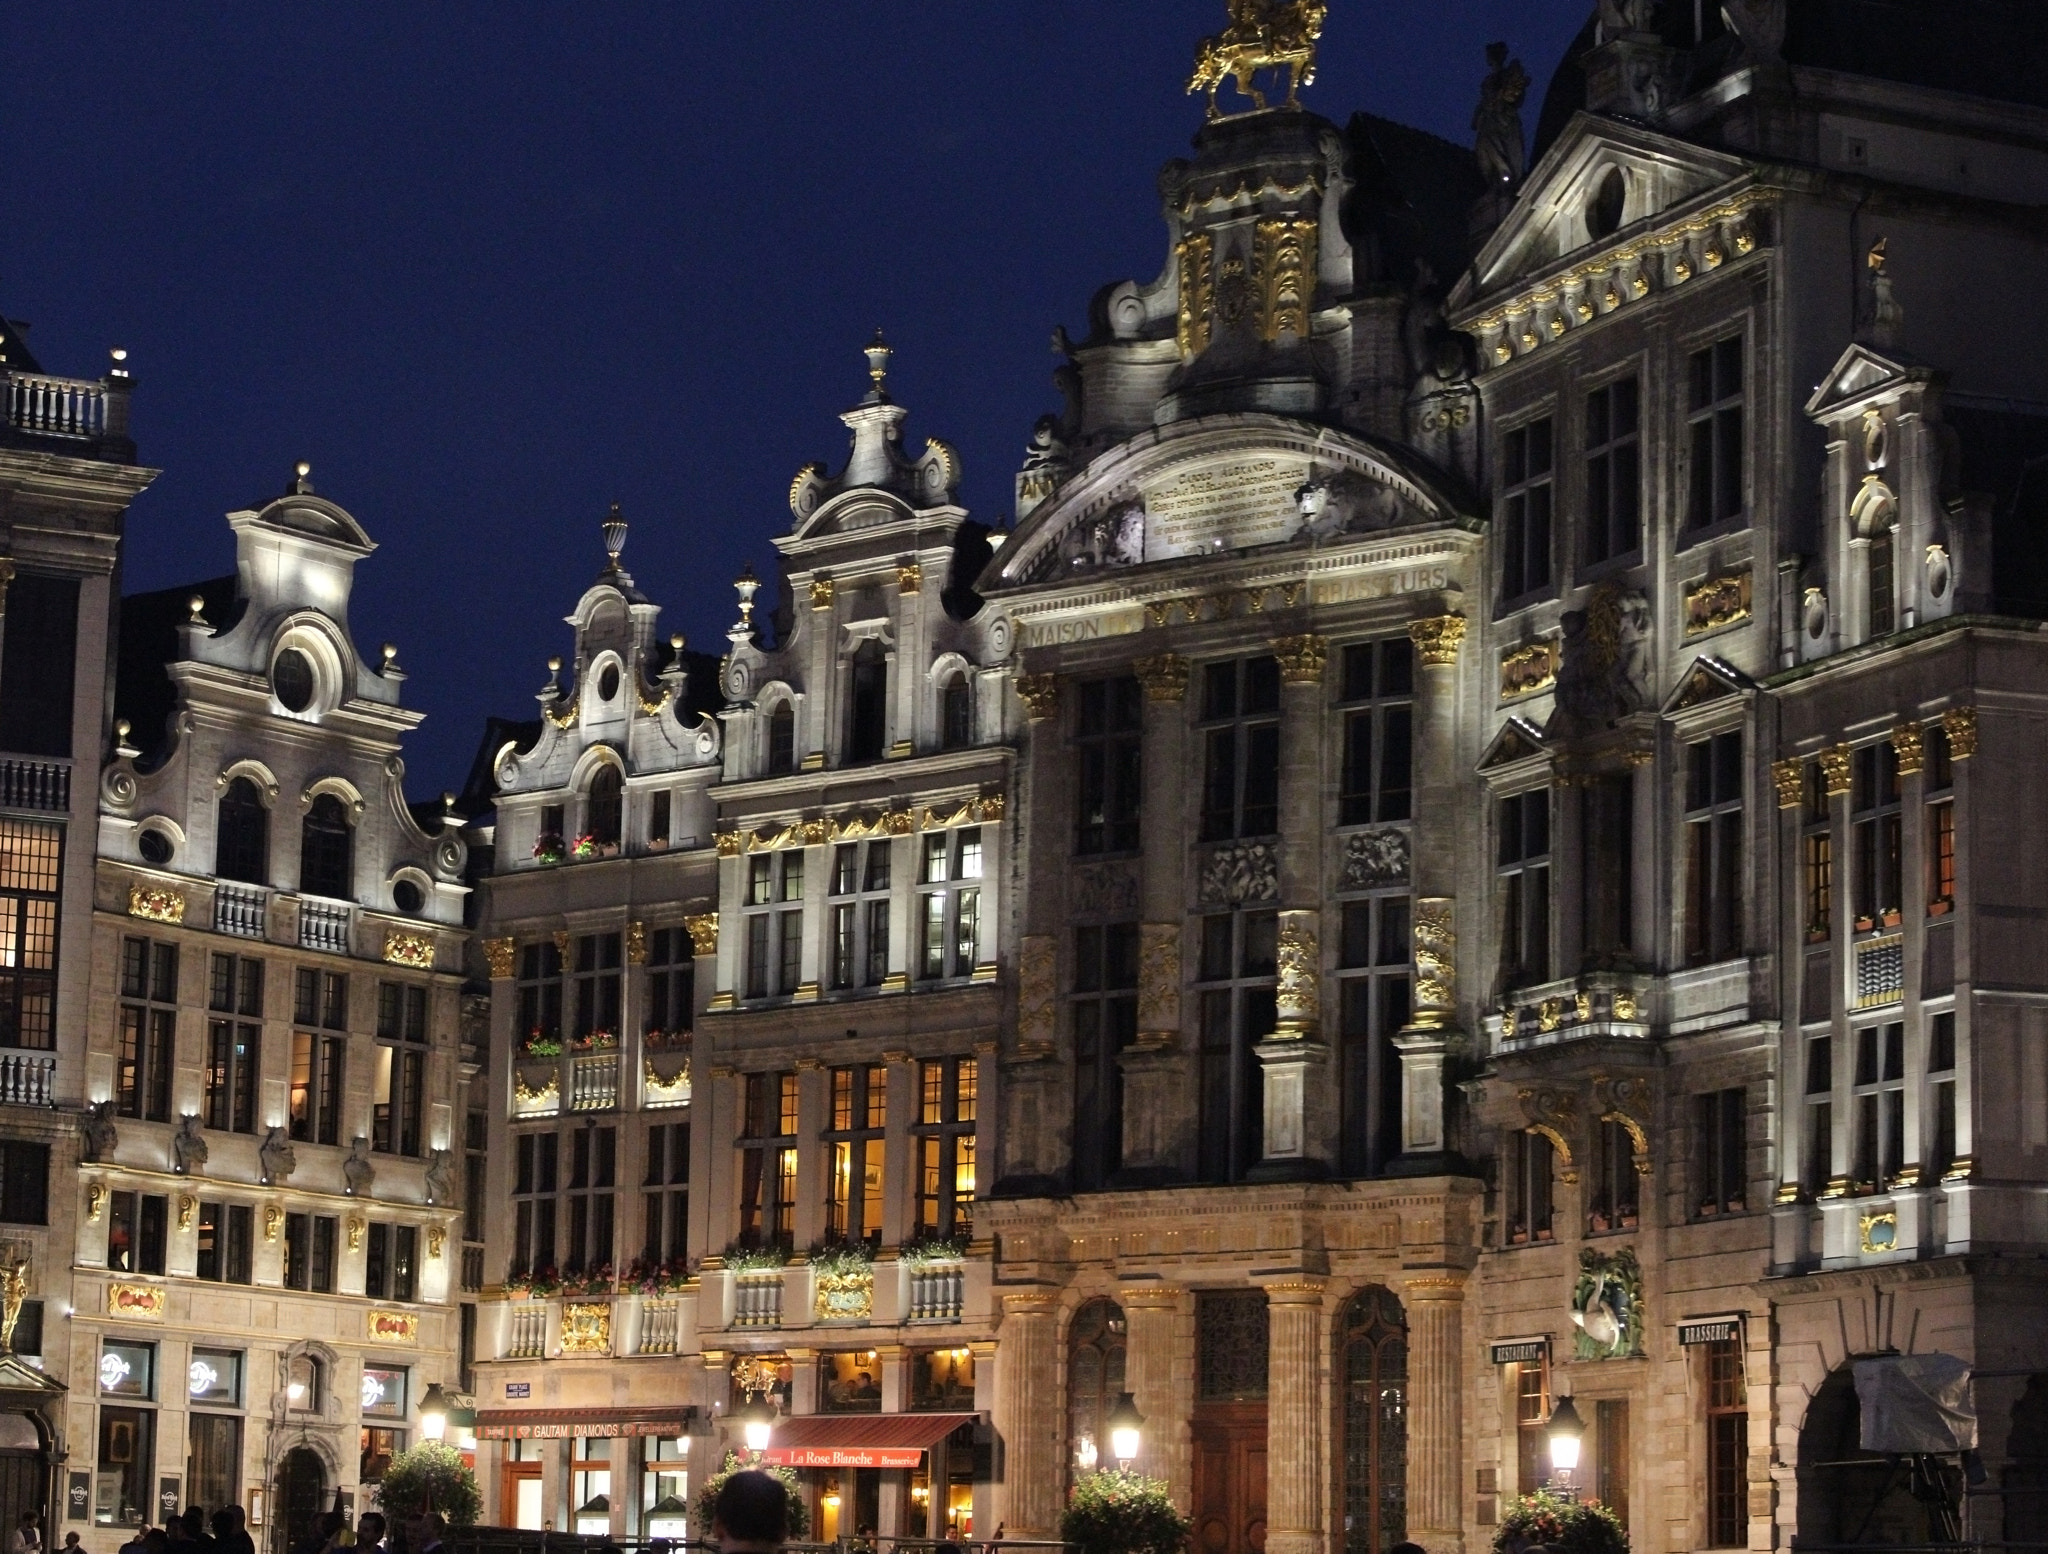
point(554, 666)
point(390, 653)
point(121, 729)
point(676, 641)
point(197, 606)
point(300, 485)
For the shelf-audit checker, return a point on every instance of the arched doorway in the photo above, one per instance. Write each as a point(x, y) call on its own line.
point(24, 1471)
point(1095, 1376)
point(1372, 1359)
point(1846, 1494)
point(301, 1496)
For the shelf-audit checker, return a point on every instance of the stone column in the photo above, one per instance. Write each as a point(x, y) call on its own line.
point(1028, 1414)
point(1434, 877)
point(1295, 1416)
point(1153, 1314)
point(1436, 1378)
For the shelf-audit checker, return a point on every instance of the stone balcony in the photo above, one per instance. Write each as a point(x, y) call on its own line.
point(27, 1078)
point(83, 417)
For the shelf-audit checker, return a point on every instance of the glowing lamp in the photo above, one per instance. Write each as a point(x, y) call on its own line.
point(1565, 1430)
point(757, 1423)
point(434, 1413)
point(1125, 1425)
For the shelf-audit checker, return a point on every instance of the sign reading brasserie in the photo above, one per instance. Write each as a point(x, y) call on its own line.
point(1239, 502)
point(1710, 1330)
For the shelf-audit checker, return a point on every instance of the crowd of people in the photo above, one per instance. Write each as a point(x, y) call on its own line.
point(227, 1532)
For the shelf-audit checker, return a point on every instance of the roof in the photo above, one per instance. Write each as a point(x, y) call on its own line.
point(2004, 455)
point(143, 693)
point(1413, 199)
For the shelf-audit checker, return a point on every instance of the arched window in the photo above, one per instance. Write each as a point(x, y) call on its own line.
point(604, 806)
point(867, 712)
point(242, 835)
point(1095, 1377)
point(782, 740)
point(956, 709)
point(327, 850)
point(1883, 585)
point(1373, 1362)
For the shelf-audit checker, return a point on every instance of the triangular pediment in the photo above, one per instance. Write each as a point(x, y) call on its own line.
point(1517, 741)
point(1560, 211)
point(1709, 679)
point(1860, 375)
point(17, 1377)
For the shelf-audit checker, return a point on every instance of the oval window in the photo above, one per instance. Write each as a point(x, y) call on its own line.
point(1603, 215)
point(408, 896)
point(292, 678)
point(155, 847)
point(608, 683)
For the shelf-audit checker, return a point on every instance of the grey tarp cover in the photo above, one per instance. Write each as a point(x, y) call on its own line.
point(1916, 1403)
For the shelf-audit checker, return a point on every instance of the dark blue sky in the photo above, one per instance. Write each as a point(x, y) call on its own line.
point(491, 266)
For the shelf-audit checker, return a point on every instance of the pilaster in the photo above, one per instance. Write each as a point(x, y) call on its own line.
point(1029, 1414)
point(1295, 1416)
point(1436, 1311)
point(1152, 1339)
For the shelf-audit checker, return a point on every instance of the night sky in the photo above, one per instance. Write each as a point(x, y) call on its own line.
point(491, 267)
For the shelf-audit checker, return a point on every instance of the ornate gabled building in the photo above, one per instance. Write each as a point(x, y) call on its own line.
point(268, 1208)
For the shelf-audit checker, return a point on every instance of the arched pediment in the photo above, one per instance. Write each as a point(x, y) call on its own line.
point(1219, 485)
point(850, 512)
point(318, 519)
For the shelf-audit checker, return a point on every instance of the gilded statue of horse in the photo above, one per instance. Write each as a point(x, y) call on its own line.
point(1263, 34)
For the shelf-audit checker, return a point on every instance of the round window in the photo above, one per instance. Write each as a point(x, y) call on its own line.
point(408, 896)
point(1604, 212)
point(155, 847)
point(608, 683)
point(292, 678)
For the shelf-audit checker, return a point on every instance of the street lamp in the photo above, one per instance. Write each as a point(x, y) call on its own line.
point(434, 1409)
point(1565, 1429)
point(1125, 1423)
point(757, 1422)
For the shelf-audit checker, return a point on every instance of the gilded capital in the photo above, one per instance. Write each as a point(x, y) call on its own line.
point(822, 593)
point(1834, 765)
point(1438, 639)
point(1788, 775)
point(1433, 932)
point(1912, 750)
point(1040, 694)
point(703, 930)
point(500, 954)
point(1960, 724)
point(1164, 676)
point(636, 943)
point(1301, 659)
point(909, 577)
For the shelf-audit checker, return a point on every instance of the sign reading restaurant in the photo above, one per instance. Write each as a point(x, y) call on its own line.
point(1522, 1351)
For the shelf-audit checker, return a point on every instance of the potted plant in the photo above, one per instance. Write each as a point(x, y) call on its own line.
point(755, 1259)
point(926, 1250)
point(547, 847)
point(430, 1477)
point(799, 1509)
point(1571, 1526)
point(1117, 1511)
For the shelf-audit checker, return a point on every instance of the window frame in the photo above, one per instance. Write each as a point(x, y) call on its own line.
point(943, 1146)
point(769, 1166)
point(146, 1054)
point(1715, 811)
point(948, 904)
point(859, 905)
point(1236, 993)
point(1877, 837)
point(1716, 435)
point(1375, 1001)
point(1612, 464)
point(1103, 1011)
point(665, 1194)
point(855, 1141)
point(1528, 918)
point(234, 1041)
point(1240, 734)
point(1525, 511)
point(1376, 699)
point(1108, 742)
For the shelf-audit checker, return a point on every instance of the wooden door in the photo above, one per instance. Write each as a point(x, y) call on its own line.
point(519, 1495)
point(1230, 1478)
point(22, 1480)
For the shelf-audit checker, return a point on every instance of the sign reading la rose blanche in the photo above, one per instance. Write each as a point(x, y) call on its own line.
point(844, 1456)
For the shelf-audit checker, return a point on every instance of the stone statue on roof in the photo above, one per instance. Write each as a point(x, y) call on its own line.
point(1503, 157)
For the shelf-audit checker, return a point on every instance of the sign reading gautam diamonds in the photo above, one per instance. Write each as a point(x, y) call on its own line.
point(1224, 506)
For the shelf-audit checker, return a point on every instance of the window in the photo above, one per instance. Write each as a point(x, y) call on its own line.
point(475, 1173)
point(949, 904)
point(1610, 1455)
point(948, 1092)
point(853, 1144)
point(234, 1045)
point(38, 665)
point(540, 991)
point(1107, 741)
point(1720, 1137)
point(1713, 848)
point(1529, 1159)
point(384, 1398)
point(536, 1165)
point(1819, 1165)
point(1097, 1346)
point(318, 1065)
point(604, 808)
point(867, 720)
point(659, 805)
point(547, 843)
point(1233, 1341)
point(595, 981)
point(1939, 1152)
point(1614, 479)
point(668, 1193)
point(309, 1248)
point(1105, 1022)
point(1874, 829)
point(24, 1182)
point(860, 913)
point(1939, 783)
point(1373, 993)
point(227, 1240)
point(1379, 683)
point(782, 740)
point(291, 676)
point(671, 982)
point(1715, 432)
point(1526, 495)
point(1817, 855)
point(125, 1492)
point(942, 1381)
point(1374, 1354)
point(213, 1456)
point(956, 714)
point(1880, 1141)
point(1881, 572)
point(1606, 803)
point(849, 1382)
point(398, 1083)
point(149, 1024)
point(31, 857)
point(1615, 1200)
point(768, 1162)
point(775, 935)
point(593, 1173)
point(1241, 749)
point(389, 1266)
point(138, 1225)
point(1727, 1400)
point(1238, 1000)
point(665, 1487)
point(28, 1330)
point(1524, 871)
point(1532, 1414)
point(241, 849)
point(327, 850)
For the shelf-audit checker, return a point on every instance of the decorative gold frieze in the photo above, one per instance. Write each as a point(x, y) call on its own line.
point(1834, 765)
point(393, 1327)
point(1164, 676)
point(823, 592)
point(137, 1300)
point(156, 903)
point(409, 949)
point(672, 1091)
point(1789, 776)
point(1301, 659)
point(1528, 669)
point(1284, 255)
point(502, 956)
point(1040, 694)
point(1717, 602)
point(1438, 639)
point(1197, 293)
point(587, 1327)
point(1436, 977)
point(1960, 724)
point(1298, 961)
point(843, 1295)
point(703, 930)
point(1625, 1008)
point(1911, 747)
point(729, 843)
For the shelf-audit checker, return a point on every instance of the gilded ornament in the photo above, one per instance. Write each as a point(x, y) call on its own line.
point(437, 1237)
point(898, 822)
point(1549, 1014)
point(137, 1300)
point(822, 593)
point(1438, 639)
point(666, 1092)
point(1960, 724)
point(187, 1207)
point(1582, 1006)
point(1263, 34)
point(95, 1202)
point(1040, 694)
point(1163, 675)
point(730, 844)
point(1717, 602)
point(562, 720)
point(273, 1221)
point(410, 949)
point(1912, 749)
point(1298, 996)
point(1880, 1231)
point(1436, 979)
point(561, 940)
point(843, 1294)
point(1625, 1006)
point(636, 943)
point(13, 1295)
point(1528, 669)
point(1301, 659)
point(1789, 776)
point(502, 956)
point(1283, 252)
point(909, 577)
point(1834, 765)
point(393, 1327)
point(814, 833)
point(156, 903)
point(1197, 296)
point(355, 1234)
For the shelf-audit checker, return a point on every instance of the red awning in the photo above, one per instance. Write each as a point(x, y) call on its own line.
point(544, 1424)
point(859, 1440)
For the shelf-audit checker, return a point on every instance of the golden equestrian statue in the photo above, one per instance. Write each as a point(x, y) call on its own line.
point(1263, 34)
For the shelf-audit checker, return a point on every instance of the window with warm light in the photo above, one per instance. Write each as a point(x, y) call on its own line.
point(948, 1102)
point(853, 1144)
point(768, 1161)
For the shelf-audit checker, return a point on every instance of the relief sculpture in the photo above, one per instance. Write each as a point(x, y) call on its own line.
point(1239, 872)
point(1377, 857)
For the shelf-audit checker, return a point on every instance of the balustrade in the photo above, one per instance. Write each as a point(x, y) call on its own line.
point(757, 1300)
point(27, 1078)
point(528, 1339)
point(936, 1292)
point(323, 925)
point(242, 910)
point(31, 784)
point(56, 407)
point(661, 1323)
point(594, 1083)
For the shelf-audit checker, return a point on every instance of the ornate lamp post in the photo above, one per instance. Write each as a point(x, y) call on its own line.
point(1126, 1425)
point(1565, 1429)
